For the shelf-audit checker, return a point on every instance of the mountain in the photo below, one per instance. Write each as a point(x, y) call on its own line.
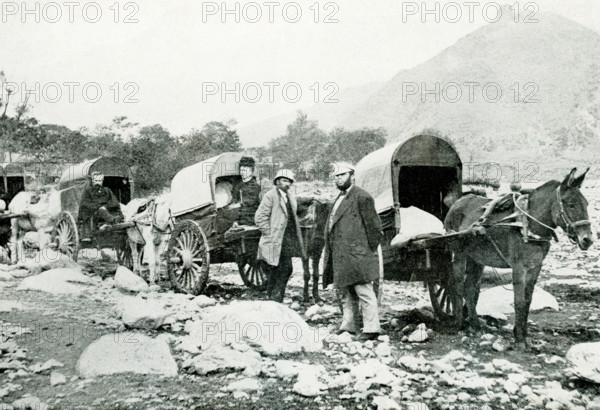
point(328, 115)
point(554, 64)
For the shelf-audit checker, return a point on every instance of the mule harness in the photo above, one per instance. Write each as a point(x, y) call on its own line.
point(521, 220)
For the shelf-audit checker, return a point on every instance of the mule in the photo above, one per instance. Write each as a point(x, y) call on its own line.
point(150, 234)
point(518, 237)
point(312, 213)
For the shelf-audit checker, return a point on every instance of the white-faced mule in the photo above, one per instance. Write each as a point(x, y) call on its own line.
point(515, 234)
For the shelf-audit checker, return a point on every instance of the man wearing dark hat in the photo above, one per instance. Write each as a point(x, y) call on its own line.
point(352, 235)
point(247, 192)
point(281, 237)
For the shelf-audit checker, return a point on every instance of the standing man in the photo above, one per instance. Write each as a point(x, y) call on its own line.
point(247, 192)
point(352, 234)
point(98, 203)
point(280, 233)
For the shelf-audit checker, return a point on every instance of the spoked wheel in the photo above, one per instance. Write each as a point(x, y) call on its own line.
point(251, 271)
point(66, 236)
point(188, 258)
point(443, 298)
point(124, 255)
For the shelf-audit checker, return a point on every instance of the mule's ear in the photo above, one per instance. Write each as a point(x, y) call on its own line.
point(579, 180)
point(568, 181)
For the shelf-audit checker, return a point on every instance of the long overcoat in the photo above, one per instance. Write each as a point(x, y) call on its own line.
point(272, 218)
point(351, 241)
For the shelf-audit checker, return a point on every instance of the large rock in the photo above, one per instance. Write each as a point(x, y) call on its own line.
point(36, 240)
point(139, 313)
point(57, 281)
point(128, 281)
point(223, 358)
point(46, 259)
point(126, 353)
point(270, 327)
point(500, 299)
point(585, 359)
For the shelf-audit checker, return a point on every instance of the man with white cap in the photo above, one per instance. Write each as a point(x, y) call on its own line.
point(281, 237)
point(352, 234)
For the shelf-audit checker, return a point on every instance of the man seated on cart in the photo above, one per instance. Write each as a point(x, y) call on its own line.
point(98, 207)
point(246, 193)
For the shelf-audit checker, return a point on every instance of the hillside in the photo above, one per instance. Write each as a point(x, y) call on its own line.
point(555, 64)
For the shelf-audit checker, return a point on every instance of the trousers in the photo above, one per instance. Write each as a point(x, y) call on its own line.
point(357, 298)
point(278, 276)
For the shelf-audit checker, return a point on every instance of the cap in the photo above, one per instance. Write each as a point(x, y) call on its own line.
point(341, 168)
point(247, 162)
point(284, 173)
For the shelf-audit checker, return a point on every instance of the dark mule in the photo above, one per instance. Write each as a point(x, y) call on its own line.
point(506, 243)
point(313, 215)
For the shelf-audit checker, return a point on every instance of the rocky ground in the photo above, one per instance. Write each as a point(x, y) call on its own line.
point(81, 336)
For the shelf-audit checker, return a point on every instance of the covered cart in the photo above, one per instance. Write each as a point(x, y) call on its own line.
point(203, 231)
point(424, 172)
point(72, 183)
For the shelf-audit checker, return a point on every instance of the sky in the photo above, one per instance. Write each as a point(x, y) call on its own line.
point(183, 63)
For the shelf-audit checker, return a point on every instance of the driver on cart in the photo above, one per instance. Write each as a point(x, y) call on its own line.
point(98, 206)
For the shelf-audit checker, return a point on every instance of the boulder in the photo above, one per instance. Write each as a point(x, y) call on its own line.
point(585, 359)
point(126, 353)
point(57, 281)
point(9, 305)
point(270, 327)
point(308, 384)
point(139, 313)
point(419, 335)
point(500, 299)
point(127, 281)
point(224, 358)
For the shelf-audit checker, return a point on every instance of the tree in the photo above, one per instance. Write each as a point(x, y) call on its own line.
point(214, 138)
point(348, 145)
point(299, 146)
point(154, 158)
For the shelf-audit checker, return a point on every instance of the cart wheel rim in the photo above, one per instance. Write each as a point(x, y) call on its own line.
point(188, 258)
point(67, 238)
point(252, 272)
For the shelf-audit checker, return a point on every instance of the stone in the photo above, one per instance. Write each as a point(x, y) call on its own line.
point(220, 358)
point(127, 281)
point(383, 350)
point(247, 384)
point(419, 335)
point(287, 369)
point(126, 353)
point(385, 403)
point(139, 313)
point(204, 301)
point(313, 310)
point(48, 364)
point(5, 276)
point(585, 361)
point(20, 273)
point(500, 299)
point(57, 378)
point(57, 281)
point(499, 346)
point(30, 402)
point(270, 327)
point(308, 384)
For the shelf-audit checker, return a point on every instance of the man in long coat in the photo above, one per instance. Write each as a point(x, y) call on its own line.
point(281, 237)
point(352, 234)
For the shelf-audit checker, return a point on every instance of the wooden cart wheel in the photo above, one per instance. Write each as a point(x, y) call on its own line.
point(252, 272)
point(124, 255)
point(442, 296)
point(66, 235)
point(188, 258)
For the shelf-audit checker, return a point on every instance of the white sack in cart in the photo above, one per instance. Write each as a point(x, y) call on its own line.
point(415, 221)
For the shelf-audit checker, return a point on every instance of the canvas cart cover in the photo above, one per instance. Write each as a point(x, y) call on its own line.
point(193, 187)
point(109, 166)
point(376, 172)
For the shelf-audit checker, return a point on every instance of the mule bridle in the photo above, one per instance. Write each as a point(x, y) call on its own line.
point(569, 224)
